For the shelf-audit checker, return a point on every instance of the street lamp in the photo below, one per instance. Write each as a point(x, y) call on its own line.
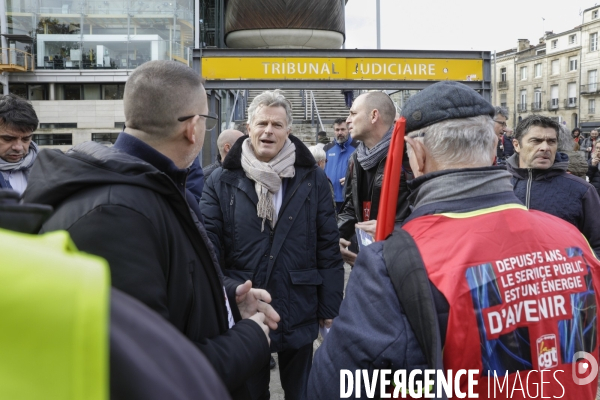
point(378, 24)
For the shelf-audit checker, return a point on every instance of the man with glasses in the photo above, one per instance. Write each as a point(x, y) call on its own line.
point(502, 131)
point(129, 204)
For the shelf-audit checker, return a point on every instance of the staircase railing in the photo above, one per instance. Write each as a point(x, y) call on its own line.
point(314, 109)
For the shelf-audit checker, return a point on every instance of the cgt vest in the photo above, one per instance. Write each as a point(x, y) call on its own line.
point(521, 289)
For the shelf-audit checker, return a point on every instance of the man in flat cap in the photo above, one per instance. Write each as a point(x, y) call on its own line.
point(503, 290)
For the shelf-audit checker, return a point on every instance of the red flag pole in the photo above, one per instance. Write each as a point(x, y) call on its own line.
point(386, 215)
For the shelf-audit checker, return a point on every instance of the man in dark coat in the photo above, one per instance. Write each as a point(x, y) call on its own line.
point(129, 205)
point(270, 214)
point(542, 183)
point(370, 122)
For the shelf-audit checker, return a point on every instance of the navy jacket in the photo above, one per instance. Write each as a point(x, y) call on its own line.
point(337, 164)
point(299, 262)
point(563, 195)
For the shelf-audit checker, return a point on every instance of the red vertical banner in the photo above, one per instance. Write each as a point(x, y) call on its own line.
point(386, 215)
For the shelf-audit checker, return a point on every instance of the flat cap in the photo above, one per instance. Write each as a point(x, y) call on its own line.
point(441, 101)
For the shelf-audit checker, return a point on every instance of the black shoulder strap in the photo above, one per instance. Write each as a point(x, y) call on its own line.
point(409, 277)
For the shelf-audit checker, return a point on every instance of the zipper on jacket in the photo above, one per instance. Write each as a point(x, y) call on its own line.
point(232, 214)
point(528, 193)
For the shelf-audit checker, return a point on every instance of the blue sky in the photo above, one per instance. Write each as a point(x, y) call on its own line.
point(459, 24)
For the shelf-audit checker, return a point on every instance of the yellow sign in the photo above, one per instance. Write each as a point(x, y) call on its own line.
point(304, 68)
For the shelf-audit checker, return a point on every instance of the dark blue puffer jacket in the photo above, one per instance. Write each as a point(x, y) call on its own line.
point(298, 262)
point(563, 195)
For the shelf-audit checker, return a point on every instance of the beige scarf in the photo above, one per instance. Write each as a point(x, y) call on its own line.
point(267, 176)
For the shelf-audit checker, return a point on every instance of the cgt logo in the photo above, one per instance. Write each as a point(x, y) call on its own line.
point(584, 368)
point(547, 353)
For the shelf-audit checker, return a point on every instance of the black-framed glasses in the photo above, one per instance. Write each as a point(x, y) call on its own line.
point(502, 123)
point(211, 120)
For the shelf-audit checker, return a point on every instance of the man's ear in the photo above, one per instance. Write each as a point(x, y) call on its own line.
point(189, 129)
point(516, 146)
point(375, 116)
point(418, 151)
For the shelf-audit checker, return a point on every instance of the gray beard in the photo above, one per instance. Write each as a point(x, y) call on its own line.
point(341, 142)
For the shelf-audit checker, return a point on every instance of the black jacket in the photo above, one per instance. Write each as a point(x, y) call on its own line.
point(351, 212)
point(563, 195)
point(593, 173)
point(209, 169)
point(127, 211)
point(299, 262)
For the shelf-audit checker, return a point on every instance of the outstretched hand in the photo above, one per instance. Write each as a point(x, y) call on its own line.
point(252, 301)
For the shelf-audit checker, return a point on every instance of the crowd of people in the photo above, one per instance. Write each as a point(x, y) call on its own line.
point(198, 275)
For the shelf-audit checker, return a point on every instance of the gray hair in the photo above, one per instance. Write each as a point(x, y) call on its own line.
point(501, 111)
point(318, 153)
point(455, 142)
point(270, 98)
point(565, 140)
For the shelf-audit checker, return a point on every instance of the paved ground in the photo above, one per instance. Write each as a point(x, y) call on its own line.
point(275, 387)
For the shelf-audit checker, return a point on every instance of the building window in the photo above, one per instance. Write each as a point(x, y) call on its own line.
point(554, 44)
point(114, 92)
point(29, 92)
point(105, 138)
point(555, 67)
point(592, 80)
point(573, 39)
point(571, 95)
point(537, 69)
point(523, 103)
point(503, 100)
point(594, 41)
point(523, 73)
point(58, 125)
point(537, 100)
point(503, 75)
point(591, 106)
point(573, 63)
point(53, 139)
point(553, 97)
point(594, 14)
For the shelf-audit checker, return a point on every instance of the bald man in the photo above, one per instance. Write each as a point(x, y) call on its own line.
point(226, 139)
point(370, 122)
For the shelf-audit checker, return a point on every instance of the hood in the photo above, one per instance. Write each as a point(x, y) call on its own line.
point(457, 184)
point(304, 157)
point(56, 176)
point(561, 163)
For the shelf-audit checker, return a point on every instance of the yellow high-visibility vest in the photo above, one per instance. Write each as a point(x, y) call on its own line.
point(54, 310)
